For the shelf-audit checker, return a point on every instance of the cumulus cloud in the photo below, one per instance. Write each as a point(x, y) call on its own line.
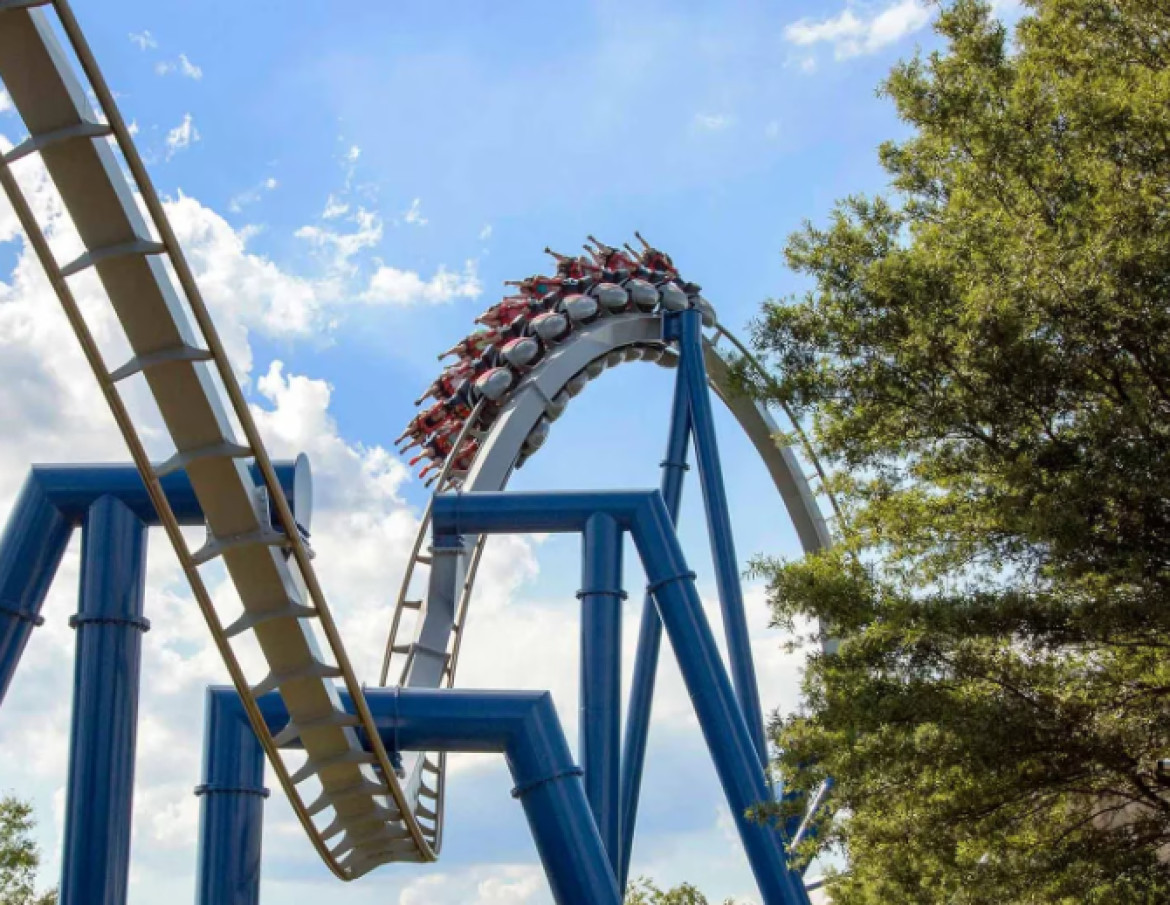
point(144, 40)
point(182, 66)
point(181, 136)
point(391, 286)
point(859, 30)
point(253, 194)
point(414, 215)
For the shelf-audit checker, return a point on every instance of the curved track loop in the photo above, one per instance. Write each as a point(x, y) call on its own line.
point(178, 360)
point(440, 611)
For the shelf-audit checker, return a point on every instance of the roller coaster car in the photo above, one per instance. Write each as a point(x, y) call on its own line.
point(643, 294)
point(580, 309)
point(612, 297)
point(552, 326)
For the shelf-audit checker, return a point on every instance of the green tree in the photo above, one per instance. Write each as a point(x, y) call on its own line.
point(644, 892)
point(984, 357)
point(19, 856)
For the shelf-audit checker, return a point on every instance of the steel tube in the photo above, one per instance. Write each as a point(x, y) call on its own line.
point(521, 725)
point(724, 727)
point(231, 807)
point(109, 622)
point(72, 489)
point(739, 647)
point(600, 705)
point(31, 548)
point(674, 467)
point(720, 717)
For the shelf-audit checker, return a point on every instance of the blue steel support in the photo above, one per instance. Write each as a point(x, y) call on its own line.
point(523, 726)
point(601, 677)
point(55, 499)
point(96, 857)
point(674, 467)
point(739, 648)
point(31, 548)
point(722, 721)
point(231, 810)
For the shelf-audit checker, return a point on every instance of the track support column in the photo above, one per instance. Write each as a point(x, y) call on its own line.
point(739, 648)
point(601, 598)
point(34, 541)
point(109, 623)
point(231, 813)
point(674, 468)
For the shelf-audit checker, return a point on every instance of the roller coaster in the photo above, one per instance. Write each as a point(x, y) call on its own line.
point(364, 768)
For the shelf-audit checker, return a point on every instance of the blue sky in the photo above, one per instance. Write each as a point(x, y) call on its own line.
point(353, 183)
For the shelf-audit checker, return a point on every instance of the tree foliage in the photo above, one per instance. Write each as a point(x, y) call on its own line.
point(19, 857)
point(985, 360)
point(645, 892)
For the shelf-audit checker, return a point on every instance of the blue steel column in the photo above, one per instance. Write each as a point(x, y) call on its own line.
point(722, 721)
point(109, 623)
point(31, 548)
point(674, 468)
point(601, 677)
point(721, 718)
point(739, 648)
point(231, 810)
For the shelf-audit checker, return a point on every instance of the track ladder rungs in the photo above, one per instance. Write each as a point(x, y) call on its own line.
point(224, 450)
point(342, 823)
point(412, 604)
point(313, 767)
point(359, 790)
point(293, 731)
point(217, 546)
point(313, 670)
point(249, 620)
point(162, 356)
point(119, 250)
point(35, 143)
point(380, 833)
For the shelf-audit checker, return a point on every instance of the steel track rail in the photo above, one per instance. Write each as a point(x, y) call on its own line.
point(373, 820)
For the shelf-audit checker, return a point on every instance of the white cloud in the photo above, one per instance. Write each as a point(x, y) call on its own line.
point(713, 122)
point(251, 195)
point(772, 130)
point(144, 39)
point(485, 233)
point(391, 286)
point(341, 246)
point(182, 66)
point(852, 33)
point(182, 136)
point(334, 208)
point(5, 101)
point(353, 154)
point(497, 885)
point(414, 215)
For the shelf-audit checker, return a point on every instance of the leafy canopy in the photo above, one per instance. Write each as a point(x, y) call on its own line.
point(19, 857)
point(985, 359)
